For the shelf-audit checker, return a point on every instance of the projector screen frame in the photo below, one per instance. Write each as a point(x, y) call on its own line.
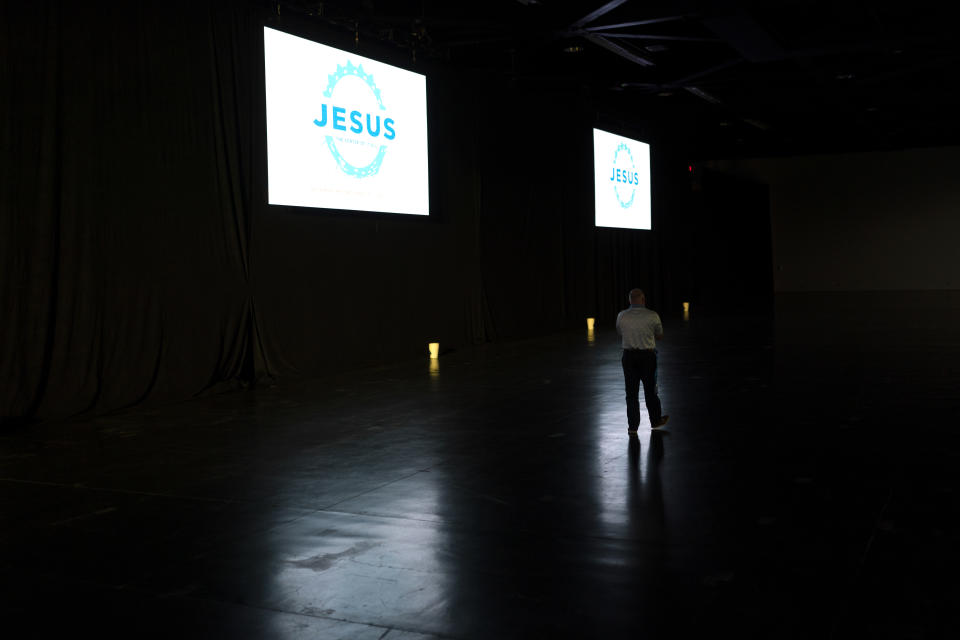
point(378, 54)
point(646, 186)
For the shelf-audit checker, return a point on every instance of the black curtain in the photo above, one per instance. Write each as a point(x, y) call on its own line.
point(140, 262)
point(125, 245)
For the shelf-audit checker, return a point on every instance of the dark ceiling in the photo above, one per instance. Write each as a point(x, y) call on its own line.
point(738, 78)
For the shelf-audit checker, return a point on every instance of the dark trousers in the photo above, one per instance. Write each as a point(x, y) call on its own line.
point(640, 367)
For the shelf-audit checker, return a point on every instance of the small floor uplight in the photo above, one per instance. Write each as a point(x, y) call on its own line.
point(590, 323)
point(434, 350)
point(686, 310)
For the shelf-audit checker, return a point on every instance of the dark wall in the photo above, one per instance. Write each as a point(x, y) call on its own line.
point(140, 262)
point(726, 250)
point(882, 221)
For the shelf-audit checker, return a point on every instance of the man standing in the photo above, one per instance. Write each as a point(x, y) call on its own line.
point(640, 328)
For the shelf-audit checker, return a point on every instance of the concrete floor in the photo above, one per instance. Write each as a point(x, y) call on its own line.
point(805, 487)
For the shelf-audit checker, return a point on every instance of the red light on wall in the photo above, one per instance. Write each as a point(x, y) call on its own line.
point(690, 168)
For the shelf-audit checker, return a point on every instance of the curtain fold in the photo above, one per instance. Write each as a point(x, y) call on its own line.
point(126, 190)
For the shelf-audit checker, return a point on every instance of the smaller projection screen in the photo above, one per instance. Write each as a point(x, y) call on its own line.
point(343, 131)
point(621, 181)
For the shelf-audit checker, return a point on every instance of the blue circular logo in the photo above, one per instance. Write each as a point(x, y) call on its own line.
point(625, 176)
point(355, 137)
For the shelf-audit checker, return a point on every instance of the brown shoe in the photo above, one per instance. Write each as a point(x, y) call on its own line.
point(662, 421)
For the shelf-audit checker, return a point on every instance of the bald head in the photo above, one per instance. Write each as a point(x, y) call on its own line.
point(636, 296)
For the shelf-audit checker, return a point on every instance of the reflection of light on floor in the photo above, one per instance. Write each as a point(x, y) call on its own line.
point(591, 338)
point(375, 558)
point(626, 477)
point(434, 368)
point(618, 472)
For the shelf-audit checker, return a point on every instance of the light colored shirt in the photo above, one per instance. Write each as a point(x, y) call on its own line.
point(639, 327)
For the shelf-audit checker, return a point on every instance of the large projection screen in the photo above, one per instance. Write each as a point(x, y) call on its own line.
point(621, 181)
point(343, 131)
